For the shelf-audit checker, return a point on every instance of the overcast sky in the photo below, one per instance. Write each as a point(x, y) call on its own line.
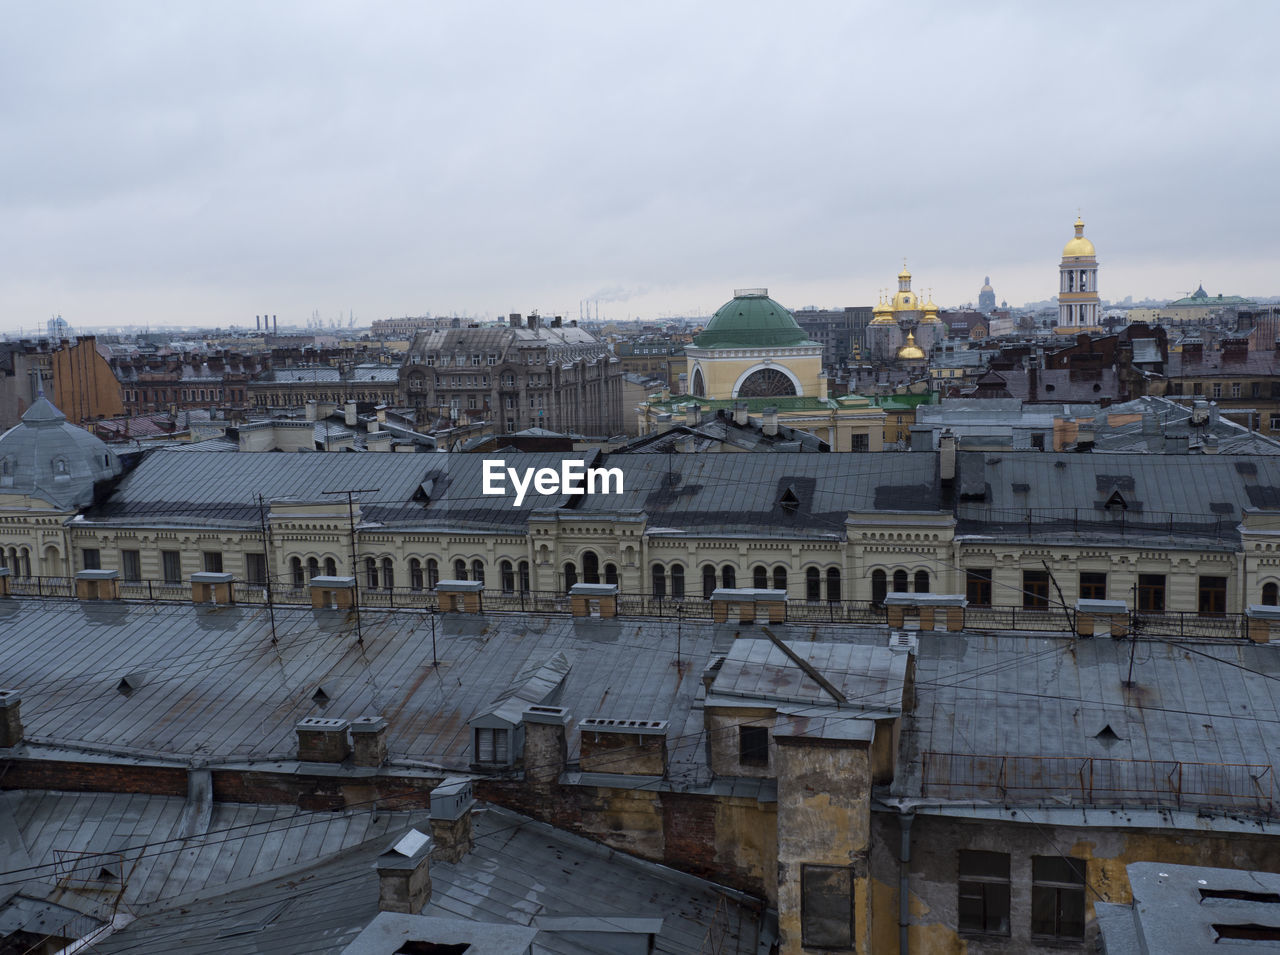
point(203, 163)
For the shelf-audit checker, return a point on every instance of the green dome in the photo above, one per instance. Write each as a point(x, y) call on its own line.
point(751, 320)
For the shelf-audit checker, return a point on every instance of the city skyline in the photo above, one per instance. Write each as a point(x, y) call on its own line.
point(201, 167)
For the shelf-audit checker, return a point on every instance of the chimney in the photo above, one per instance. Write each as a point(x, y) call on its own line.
point(1213, 414)
point(545, 744)
point(4, 581)
point(594, 600)
point(514, 319)
point(10, 718)
point(381, 412)
point(312, 412)
point(404, 874)
point(629, 747)
point(947, 457)
point(332, 593)
point(460, 596)
point(369, 741)
point(1209, 444)
point(349, 414)
point(209, 587)
point(98, 585)
point(275, 322)
point(556, 322)
point(322, 740)
point(740, 413)
point(257, 322)
point(451, 805)
point(770, 426)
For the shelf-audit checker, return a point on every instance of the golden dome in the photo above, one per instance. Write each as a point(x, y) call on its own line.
point(1078, 246)
point(883, 314)
point(905, 300)
point(930, 311)
point(911, 351)
point(904, 274)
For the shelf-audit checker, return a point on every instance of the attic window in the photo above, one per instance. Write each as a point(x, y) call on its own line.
point(320, 697)
point(1117, 500)
point(1107, 735)
point(789, 501)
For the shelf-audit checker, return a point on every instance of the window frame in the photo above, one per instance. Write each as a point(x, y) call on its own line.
point(992, 892)
point(1073, 890)
point(810, 873)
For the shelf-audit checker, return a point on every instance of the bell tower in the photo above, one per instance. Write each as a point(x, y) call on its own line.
point(1078, 306)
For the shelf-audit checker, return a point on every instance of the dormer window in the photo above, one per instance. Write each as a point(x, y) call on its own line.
point(61, 470)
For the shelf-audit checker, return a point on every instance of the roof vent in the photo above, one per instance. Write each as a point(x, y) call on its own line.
point(129, 683)
point(1107, 735)
point(320, 697)
point(1116, 500)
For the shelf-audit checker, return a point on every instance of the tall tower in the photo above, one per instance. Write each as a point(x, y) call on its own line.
point(1078, 285)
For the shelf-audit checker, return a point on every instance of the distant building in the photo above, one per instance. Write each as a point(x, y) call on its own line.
point(901, 316)
point(559, 377)
point(840, 332)
point(987, 297)
point(1078, 304)
point(1197, 306)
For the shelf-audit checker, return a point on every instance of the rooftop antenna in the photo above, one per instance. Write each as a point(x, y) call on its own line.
point(355, 572)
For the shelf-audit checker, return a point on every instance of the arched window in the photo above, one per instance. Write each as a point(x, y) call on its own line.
point(433, 573)
point(1269, 594)
point(388, 574)
point(524, 576)
point(728, 577)
point(708, 581)
point(922, 581)
point(26, 562)
point(459, 569)
point(590, 567)
point(610, 574)
point(508, 577)
point(766, 383)
point(812, 584)
point(833, 585)
point(330, 567)
point(570, 575)
point(477, 571)
point(760, 577)
point(659, 581)
point(415, 574)
point(779, 578)
point(879, 586)
point(899, 581)
point(677, 581)
point(313, 568)
point(295, 568)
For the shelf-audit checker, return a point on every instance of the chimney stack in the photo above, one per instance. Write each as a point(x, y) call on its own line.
point(349, 414)
point(10, 719)
point(770, 426)
point(369, 739)
point(404, 874)
point(322, 740)
point(451, 804)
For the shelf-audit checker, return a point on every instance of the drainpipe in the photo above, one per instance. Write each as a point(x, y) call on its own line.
point(904, 881)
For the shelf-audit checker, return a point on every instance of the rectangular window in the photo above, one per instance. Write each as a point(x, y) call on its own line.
point(1212, 596)
point(1057, 897)
point(977, 587)
point(1093, 586)
point(491, 746)
point(1275, 422)
point(475, 360)
point(1175, 388)
point(1197, 388)
point(826, 906)
point(753, 746)
point(860, 442)
point(1035, 590)
point(1255, 389)
point(1235, 389)
point(92, 558)
point(984, 892)
point(1151, 593)
point(213, 561)
point(171, 564)
point(493, 359)
point(1217, 389)
point(256, 568)
point(131, 564)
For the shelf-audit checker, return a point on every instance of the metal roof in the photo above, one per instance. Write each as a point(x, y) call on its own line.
point(519, 872)
point(1060, 496)
point(213, 686)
